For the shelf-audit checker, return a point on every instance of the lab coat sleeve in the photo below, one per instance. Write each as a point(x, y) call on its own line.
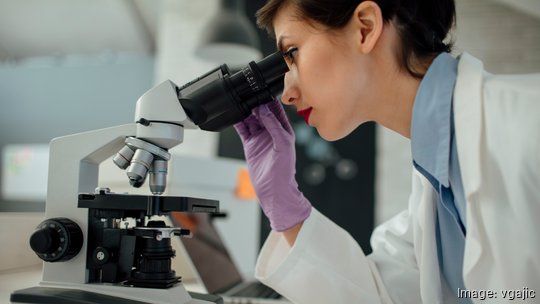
point(395, 260)
point(326, 265)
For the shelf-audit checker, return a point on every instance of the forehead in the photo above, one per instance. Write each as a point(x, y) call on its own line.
point(286, 18)
point(288, 23)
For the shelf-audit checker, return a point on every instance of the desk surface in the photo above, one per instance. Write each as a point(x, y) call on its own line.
point(11, 280)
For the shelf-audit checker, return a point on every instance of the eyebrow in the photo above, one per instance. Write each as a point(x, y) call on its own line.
point(280, 43)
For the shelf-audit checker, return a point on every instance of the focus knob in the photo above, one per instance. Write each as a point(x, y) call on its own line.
point(57, 239)
point(44, 240)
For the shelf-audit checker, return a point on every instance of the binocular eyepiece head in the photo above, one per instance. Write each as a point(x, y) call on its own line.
point(217, 99)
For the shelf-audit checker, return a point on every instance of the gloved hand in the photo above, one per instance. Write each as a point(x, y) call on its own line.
point(268, 140)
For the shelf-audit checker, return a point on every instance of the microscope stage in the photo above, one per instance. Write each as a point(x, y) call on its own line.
point(151, 204)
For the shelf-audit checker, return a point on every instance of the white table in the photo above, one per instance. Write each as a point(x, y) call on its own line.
point(15, 279)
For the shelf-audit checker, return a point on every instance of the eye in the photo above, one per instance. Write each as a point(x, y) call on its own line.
point(290, 54)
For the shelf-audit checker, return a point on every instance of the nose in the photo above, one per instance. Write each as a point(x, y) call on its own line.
point(291, 93)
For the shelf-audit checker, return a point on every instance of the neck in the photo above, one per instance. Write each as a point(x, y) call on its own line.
point(397, 87)
point(396, 109)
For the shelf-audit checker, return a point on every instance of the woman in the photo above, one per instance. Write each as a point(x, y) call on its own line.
point(470, 231)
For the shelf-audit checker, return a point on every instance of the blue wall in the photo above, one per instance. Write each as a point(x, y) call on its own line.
point(43, 98)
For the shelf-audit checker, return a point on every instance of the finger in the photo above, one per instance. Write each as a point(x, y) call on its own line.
point(247, 127)
point(276, 107)
point(271, 123)
point(242, 129)
point(253, 125)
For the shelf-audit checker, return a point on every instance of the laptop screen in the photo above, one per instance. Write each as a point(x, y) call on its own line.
point(208, 252)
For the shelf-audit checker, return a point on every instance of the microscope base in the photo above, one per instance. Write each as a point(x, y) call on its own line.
point(50, 295)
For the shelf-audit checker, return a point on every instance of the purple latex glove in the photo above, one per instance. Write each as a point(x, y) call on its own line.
point(268, 140)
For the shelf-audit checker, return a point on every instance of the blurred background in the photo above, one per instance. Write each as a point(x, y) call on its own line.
point(68, 66)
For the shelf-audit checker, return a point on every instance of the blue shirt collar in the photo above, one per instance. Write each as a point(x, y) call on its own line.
point(431, 131)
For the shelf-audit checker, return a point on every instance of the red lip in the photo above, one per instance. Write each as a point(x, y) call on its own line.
point(305, 114)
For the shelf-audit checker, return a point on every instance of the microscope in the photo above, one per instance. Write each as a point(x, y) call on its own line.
point(103, 247)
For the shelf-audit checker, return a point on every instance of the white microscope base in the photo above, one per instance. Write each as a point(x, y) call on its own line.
point(177, 294)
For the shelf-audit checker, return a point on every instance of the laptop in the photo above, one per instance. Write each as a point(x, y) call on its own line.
point(215, 267)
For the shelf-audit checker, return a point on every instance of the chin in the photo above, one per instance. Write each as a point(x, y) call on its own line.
point(331, 135)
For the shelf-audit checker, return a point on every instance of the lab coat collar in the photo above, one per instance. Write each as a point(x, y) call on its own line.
point(431, 131)
point(468, 116)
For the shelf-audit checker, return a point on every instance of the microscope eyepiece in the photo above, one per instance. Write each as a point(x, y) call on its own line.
point(217, 99)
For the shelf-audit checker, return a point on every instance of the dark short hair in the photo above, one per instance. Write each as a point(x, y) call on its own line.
point(423, 25)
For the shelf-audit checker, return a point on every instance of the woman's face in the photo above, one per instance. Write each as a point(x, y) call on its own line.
point(328, 77)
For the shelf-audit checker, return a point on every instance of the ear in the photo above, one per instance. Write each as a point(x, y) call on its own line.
point(368, 23)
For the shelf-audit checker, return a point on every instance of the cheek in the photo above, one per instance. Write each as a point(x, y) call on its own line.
point(334, 90)
point(324, 90)
point(343, 109)
point(334, 119)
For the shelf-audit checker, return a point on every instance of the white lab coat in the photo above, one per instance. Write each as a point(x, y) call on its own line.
point(497, 128)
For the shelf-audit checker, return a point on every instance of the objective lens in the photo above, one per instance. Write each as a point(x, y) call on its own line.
point(137, 170)
point(123, 157)
point(158, 177)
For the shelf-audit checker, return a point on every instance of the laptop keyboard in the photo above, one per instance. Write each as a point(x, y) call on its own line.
point(257, 290)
